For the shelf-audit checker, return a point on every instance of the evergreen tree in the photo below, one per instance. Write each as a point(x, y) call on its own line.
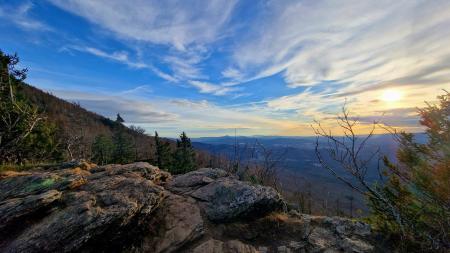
point(42, 144)
point(123, 147)
point(184, 156)
point(163, 153)
point(119, 119)
point(102, 149)
point(24, 133)
point(418, 188)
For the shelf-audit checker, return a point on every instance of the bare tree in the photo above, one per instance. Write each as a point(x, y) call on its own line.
point(346, 153)
point(261, 164)
point(17, 119)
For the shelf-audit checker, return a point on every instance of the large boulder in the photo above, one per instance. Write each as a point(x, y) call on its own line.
point(227, 199)
point(193, 180)
point(224, 197)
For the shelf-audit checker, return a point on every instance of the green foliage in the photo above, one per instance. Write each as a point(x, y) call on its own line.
point(418, 188)
point(102, 149)
point(43, 144)
point(163, 153)
point(40, 184)
point(180, 161)
point(184, 156)
point(25, 135)
point(123, 147)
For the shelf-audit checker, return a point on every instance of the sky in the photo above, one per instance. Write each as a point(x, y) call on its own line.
point(260, 67)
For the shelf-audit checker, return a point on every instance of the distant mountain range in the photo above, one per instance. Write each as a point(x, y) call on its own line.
point(300, 169)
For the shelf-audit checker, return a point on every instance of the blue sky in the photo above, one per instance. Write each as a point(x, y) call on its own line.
point(208, 67)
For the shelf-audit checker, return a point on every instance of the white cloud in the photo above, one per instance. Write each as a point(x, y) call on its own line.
point(189, 103)
point(232, 73)
point(185, 67)
point(357, 47)
point(210, 88)
point(171, 116)
point(133, 110)
point(184, 29)
point(138, 91)
point(20, 16)
point(357, 43)
point(176, 23)
point(122, 57)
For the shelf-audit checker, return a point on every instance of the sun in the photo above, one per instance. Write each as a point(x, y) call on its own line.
point(391, 95)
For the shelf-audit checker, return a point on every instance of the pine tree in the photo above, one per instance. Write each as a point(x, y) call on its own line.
point(184, 156)
point(418, 187)
point(42, 144)
point(24, 133)
point(119, 119)
point(163, 153)
point(102, 149)
point(123, 147)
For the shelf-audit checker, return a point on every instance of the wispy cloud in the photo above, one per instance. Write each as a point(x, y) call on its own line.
point(176, 23)
point(209, 88)
point(185, 30)
point(317, 54)
point(133, 110)
point(197, 117)
point(184, 67)
point(313, 42)
point(20, 16)
point(138, 91)
point(122, 57)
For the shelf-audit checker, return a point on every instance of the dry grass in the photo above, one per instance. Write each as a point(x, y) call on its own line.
point(278, 217)
point(24, 167)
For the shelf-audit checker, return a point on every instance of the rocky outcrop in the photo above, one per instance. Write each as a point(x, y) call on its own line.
point(139, 208)
point(225, 198)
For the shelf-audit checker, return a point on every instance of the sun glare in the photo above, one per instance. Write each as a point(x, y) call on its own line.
point(391, 95)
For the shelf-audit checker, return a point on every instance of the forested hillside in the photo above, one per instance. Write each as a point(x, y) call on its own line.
point(38, 127)
point(79, 127)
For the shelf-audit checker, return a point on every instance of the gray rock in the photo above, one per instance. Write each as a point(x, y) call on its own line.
point(355, 246)
point(195, 179)
point(216, 246)
point(262, 249)
point(227, 199)
point(283, 249)
point(362, 229)
point(12, 210)
point(211, 245)
point(139, 208)
point(93, 214)
point(296, 245)
point(322, 239)
point(22, 185)
point(177, 222)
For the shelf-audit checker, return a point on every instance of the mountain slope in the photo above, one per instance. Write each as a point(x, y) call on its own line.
point(80, 126)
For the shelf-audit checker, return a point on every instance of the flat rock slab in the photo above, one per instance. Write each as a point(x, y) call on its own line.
point(96, 209)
